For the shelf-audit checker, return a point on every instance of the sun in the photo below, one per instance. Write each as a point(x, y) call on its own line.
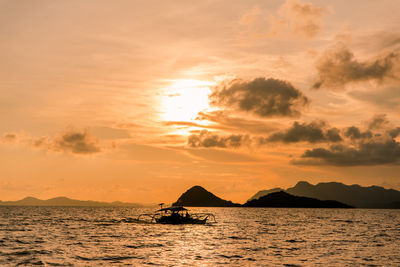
point(184, 99)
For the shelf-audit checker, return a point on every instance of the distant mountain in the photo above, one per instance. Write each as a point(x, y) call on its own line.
point(393, 205)
point(64, 201)
point(354, 195)
point(265, 192)
point(282, 199)
point(197, 196)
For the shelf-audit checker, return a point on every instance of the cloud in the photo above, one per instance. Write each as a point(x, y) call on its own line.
point(9, 137)
point(387, 97)
point(377, 126)
point(299, 18)
point(13, 138)
point(262, 97)
point(333, 135)
point(369, 153)
point(77, 142)
point(208, 139)
point(394, 132)
point(337, 68)
point(377, 145)
point(354, 133)
point(294, 18)
point(222, 121)
point(312, 132)
point(72, 141)
point(378, 122)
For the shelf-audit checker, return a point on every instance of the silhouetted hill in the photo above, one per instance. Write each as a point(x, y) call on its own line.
point(393, 205)
point(197, 196)
point(284, 200)
point(64, 201)
point(354, 195)
point(265, 192)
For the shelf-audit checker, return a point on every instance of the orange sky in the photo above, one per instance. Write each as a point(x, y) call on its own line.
point(140, 100)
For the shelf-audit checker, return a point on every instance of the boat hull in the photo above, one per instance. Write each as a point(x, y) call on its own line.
point(180, 220)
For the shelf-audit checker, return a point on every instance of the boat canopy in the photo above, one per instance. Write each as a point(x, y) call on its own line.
point(173, 209)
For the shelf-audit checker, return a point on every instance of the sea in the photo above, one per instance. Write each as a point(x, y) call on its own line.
point(110, 236)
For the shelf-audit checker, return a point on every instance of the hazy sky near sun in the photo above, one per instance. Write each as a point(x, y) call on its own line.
point(140, 100)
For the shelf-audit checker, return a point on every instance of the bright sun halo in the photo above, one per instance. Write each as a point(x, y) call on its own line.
point(184, 99)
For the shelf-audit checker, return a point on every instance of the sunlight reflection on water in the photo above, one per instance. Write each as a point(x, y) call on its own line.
point(65, 236)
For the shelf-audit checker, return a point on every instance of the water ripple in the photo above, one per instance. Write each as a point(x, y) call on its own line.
point(62, 236)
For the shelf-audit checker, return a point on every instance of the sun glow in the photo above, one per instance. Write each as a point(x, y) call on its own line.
point(184, 99)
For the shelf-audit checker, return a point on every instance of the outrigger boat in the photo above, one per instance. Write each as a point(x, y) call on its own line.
point(176, 215)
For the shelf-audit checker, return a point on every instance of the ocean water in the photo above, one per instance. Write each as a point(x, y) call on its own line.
point(80, 236)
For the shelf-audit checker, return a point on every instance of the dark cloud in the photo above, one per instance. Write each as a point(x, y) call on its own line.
point(312, 132)
point(9, 137)
point(340, 67)
point(377, 145)
point(394, 132)
point(208, 139)
point(378, 121)
point(370, 153)
point(333, 135)
point(78, 142)
point(41, 142)
point(73, 141)
point(263, 97)
point(355, 133)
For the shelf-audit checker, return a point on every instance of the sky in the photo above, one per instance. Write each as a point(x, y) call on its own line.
point(140, 100)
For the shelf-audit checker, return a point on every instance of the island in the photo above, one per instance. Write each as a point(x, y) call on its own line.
point(66, 202)
point(197, 196)
point(282, 199)
point(353, 195)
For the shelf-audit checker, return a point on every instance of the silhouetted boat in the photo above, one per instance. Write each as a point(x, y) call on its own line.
point(176, 215)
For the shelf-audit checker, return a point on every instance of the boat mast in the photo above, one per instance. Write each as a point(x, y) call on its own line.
point(161, 204)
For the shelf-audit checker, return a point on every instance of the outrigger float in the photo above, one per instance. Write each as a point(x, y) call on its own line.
point(176, 215)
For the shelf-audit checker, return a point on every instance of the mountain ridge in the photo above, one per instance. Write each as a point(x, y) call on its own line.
point(282, 199)
point(197, 196)
point(354, 195)
point(265, 192)
point(65, 201)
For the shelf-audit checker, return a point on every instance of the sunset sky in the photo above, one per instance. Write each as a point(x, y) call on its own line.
point(139, 100)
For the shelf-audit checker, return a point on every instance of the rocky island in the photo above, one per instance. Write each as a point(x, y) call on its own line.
point(282, 199)
point(197, 196)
